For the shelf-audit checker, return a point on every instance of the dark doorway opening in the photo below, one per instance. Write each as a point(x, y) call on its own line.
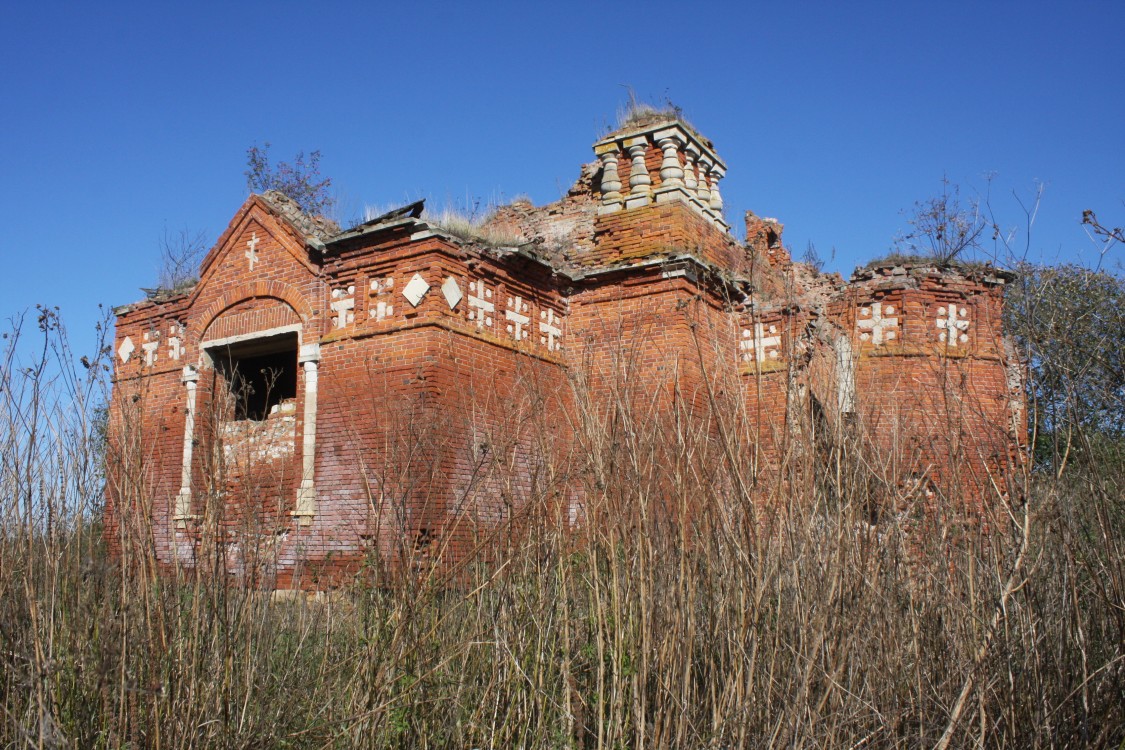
point(260, 374)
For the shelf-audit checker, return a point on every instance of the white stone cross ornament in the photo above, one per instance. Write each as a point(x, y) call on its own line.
point(381, 310)
point(550, 325)
point(761, 345)
point(252, 250)
point(343, 304)
point(874, 320)
point(516, 313)
point(480, 307)
point(150, 345)
point(175, 342)
point(954, 328)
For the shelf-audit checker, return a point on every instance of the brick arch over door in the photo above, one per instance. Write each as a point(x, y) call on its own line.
point(258, 290)
point(251, 316)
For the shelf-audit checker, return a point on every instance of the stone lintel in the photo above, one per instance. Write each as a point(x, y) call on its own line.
point(241, 337)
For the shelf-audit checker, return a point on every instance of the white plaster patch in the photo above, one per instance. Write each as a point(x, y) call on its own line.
point(480, 308)
point(451, 291)
point(954, 327)
point(416, 289)
point(517, 317)
point(150, 346)
point(252, 250)
point(550, 326)
point(875, 324)
point(343, 304)
point(756, 346)
point(126, 349)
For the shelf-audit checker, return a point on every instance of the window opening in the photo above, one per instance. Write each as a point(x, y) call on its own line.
point(260, 374)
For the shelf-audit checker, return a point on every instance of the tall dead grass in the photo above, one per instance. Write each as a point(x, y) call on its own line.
point(697, 603)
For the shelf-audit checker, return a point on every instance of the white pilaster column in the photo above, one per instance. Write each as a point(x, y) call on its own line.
point(182, 511)
point(716, 199)
point(306, 494)
point(845, 376)
point(671, 173)
point(611, 180)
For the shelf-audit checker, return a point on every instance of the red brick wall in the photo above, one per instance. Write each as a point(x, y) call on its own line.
point(667, 228)
point(441, 433)
point(932, 408)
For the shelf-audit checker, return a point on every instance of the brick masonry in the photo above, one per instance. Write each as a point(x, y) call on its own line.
point(442, 381)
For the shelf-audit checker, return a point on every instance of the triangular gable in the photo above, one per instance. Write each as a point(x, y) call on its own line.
point(255, 227)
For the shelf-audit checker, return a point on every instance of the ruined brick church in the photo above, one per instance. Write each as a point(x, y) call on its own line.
point(320, 395)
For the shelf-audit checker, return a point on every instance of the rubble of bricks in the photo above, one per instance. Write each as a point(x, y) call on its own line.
point(398, 389)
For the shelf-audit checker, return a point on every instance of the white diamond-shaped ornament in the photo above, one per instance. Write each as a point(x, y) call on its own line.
point(416, 290)
point(451, 292)
point(126, 349)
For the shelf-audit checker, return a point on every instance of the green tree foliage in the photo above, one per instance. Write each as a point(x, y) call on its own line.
point(1069, 323)
point(300, 180)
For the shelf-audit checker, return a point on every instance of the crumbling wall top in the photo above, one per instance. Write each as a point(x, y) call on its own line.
point(557, 230)
point(763, 236)
point(315, 227)
point(929, 274)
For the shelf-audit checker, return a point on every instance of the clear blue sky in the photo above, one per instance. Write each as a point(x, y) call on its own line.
point(122, 119)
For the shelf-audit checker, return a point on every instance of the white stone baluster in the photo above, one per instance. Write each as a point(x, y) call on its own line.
point(716, 199)
point(611, 180)
point(639, 181)
point(690, 181)
point(671, 173)
point(689, 172)
point(703, 190)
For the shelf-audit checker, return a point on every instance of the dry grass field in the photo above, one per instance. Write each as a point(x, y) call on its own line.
point(790, 614)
